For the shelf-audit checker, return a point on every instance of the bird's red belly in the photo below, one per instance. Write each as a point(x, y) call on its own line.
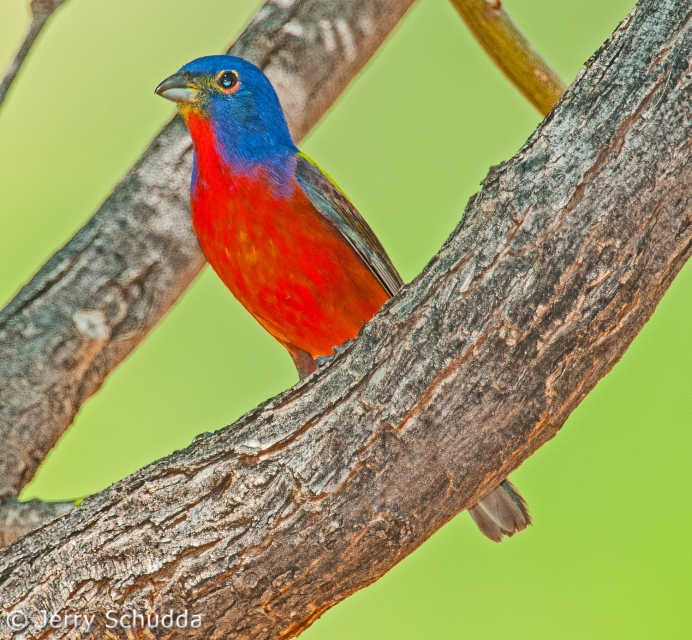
point(286, 264)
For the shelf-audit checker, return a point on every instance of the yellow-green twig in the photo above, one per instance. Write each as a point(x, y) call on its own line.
point(512, 52)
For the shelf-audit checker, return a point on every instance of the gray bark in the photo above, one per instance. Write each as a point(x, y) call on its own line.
point(558, 263)
point(96, 298)
point(19, 517)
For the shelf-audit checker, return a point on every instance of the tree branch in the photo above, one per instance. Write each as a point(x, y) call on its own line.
point(18, 518)
point(557, 264)
point(511, 52)
point(95, 318)
point(96, 298)
point(41, 10)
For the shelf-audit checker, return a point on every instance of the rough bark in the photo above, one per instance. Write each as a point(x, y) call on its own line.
point(97, 297)
point(559, 261)
point(19, 517)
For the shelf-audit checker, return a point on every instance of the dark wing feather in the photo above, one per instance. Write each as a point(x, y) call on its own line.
point(332, 203)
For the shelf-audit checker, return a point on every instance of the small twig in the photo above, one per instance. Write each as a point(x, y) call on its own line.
point(512, 52)
point(41, 10)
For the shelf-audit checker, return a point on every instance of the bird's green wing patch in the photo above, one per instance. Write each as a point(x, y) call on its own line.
point(329, 200)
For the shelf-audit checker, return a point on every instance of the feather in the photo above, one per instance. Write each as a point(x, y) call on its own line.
point(502, 512)
point(330, 201)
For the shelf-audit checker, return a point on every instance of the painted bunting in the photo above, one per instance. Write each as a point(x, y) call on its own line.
point(282, 236)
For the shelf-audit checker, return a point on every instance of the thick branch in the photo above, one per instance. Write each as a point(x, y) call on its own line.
point(18, 518)
point(559, 261)
point(513, 54)
point(41, 10)
point(490, 25)
point(97, 298)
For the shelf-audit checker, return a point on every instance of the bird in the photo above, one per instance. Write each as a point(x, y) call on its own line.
point(282, 236)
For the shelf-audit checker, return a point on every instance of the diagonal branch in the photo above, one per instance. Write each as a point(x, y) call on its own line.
point(557, 264)
point(513, 54)
point(20, 517)
point(274, 34)
point(41, 10)
point(96, 298)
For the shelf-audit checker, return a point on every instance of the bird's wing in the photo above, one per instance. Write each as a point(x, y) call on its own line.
point(328, 199)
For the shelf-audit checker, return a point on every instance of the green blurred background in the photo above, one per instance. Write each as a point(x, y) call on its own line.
point(608, 555)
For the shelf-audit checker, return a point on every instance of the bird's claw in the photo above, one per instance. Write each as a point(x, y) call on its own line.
point(321, 361)
point(202, 436)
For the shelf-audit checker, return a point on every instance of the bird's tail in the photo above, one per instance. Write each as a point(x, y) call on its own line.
point(501, 513)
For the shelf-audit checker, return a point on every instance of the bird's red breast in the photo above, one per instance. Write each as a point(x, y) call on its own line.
point(286, 263)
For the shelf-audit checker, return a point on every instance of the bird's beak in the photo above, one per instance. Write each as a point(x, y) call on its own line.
point(178, 88)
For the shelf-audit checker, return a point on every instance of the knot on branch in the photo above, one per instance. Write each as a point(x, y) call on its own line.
point(44, 8)
point(92, 324)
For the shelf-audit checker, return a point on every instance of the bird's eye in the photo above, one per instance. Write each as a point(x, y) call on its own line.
point(227, 80)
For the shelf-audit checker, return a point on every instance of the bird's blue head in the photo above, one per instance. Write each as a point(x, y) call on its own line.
point(237, 100)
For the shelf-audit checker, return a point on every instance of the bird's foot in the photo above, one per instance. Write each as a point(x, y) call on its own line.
point(321, 361)
point(202, 436)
